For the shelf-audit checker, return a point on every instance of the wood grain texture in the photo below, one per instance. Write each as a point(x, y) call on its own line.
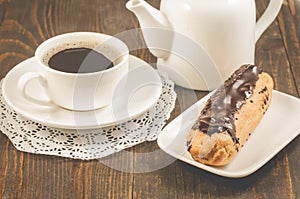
point(26, 23)
point(289, 26)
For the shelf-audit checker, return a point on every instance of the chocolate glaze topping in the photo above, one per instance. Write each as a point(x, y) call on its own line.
point(218, 114)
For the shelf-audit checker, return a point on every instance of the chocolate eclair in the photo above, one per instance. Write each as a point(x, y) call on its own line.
point(230, 115)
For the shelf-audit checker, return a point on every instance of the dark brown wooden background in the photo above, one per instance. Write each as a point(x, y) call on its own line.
point(26, 23)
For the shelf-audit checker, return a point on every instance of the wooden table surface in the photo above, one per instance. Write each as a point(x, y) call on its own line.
point(26, 23)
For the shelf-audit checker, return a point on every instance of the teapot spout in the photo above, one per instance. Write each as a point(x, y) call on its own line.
point(156, 28)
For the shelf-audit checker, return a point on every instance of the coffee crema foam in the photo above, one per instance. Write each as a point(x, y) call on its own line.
point(92, 45)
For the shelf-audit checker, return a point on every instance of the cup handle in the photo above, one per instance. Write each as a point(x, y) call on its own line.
point(267, 18)
point(22, 85)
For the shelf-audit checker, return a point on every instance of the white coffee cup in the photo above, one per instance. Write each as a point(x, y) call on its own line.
point(78, 91)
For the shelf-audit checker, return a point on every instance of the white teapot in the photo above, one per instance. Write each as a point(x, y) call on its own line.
point(194, 39)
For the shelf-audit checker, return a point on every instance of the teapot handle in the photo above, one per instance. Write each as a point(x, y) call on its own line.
point(267, 18)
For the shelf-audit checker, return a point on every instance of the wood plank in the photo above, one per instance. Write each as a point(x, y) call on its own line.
point(3, 8)
point(272, 55)
point(289, 25)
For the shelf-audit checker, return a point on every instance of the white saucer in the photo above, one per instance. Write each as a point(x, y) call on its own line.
point(143, 88)
point(279, 127)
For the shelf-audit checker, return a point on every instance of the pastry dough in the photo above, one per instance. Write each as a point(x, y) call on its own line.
point(230, 116)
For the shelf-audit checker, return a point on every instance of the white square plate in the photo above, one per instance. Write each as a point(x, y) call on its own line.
point(279, 126)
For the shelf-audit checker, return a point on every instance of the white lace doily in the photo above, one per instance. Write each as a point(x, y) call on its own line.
point(32, 137)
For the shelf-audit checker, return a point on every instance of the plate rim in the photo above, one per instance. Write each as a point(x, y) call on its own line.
point(73, 126)
point(216, 170)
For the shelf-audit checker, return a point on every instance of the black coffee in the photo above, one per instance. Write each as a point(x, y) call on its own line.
point(79, 60)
